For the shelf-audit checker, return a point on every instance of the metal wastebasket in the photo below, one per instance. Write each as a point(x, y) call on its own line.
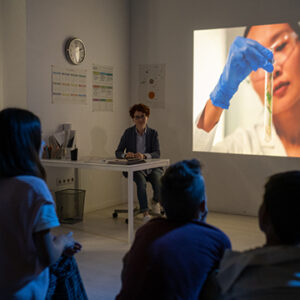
point(70, 205)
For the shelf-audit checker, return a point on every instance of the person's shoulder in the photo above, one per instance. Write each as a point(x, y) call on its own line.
point(237, 260)
point(153, 223)
point(234, 257)
point(151, 130)
point(33, 181)
point(129, 129)
point(36, 184)
point(212, 230)
point(208, 227)
point(157, 221)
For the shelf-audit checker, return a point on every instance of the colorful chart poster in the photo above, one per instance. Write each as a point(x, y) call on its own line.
point(69, 85)
point(102, 88)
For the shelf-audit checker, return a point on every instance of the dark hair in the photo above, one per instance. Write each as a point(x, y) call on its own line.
point(139, 107)
point(182, 190)
point(293, 25)
point(282, 202)
point(20, 142)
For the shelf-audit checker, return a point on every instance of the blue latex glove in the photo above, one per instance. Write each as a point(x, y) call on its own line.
point(245, 55)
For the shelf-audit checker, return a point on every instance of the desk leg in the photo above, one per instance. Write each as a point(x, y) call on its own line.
point(130, 207)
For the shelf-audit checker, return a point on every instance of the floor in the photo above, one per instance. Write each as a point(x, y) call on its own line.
point(104, 241)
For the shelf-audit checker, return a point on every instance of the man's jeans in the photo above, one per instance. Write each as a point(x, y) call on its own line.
point(141, 178)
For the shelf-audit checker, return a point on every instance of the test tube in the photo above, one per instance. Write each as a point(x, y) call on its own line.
point(268, 106)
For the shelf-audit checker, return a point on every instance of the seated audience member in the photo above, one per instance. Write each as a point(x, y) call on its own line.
point(140, 141)
point(171, 258)
point(271, 271)
point(28, 213)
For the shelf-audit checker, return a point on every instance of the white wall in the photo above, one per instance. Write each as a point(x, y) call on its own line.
point(13, 59)
point(162, 32)
point(103, 25)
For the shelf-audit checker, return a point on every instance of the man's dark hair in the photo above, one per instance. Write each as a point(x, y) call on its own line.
point(282, 202)
point(20, 142)
point(139, 107)
point(294, 26)
point(182, 190)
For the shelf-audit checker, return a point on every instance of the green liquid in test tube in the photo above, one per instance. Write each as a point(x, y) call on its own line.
point(268, 106)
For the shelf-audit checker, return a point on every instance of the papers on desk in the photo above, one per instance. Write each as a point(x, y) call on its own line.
point(130, 161)
point(113, 161)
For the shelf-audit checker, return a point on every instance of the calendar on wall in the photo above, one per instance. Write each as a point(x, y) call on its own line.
point(69, 85)
point(102, 88)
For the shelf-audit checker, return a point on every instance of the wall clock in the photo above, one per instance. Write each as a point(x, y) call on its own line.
point(75, 51)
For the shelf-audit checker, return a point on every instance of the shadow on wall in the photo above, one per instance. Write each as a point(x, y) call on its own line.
point(169, 139)
point(98, 142)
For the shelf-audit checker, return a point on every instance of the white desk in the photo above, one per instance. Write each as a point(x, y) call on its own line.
point(102, 165)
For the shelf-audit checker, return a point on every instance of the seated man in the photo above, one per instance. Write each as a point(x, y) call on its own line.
point(171, 258)
point(271, 271)
point(140, 141)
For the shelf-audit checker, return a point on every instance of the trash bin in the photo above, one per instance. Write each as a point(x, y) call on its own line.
point(70, 205)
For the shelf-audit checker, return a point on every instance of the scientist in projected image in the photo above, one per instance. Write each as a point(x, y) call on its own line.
point(272, 48)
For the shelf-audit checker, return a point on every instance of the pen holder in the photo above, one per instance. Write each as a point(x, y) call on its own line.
point(74, 154)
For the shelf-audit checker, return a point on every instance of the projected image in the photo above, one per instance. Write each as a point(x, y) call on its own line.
point(247, 90)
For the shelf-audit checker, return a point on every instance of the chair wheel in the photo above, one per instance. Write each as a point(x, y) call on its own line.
point(115, 215)
point(126, 221)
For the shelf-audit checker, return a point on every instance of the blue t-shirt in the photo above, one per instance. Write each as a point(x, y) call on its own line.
point(171, 260)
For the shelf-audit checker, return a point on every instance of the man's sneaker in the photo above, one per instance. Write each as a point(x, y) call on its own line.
point(155, 209)
point(146, 218)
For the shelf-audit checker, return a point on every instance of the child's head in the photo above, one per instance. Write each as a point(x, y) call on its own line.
point(183, 191)
point(280, 210)
point(20, 142)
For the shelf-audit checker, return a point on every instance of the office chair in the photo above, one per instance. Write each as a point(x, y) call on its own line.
point(136, 211)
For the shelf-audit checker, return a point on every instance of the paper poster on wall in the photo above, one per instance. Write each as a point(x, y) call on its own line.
point(69, 85)
point(152, 85)
point(102, 88)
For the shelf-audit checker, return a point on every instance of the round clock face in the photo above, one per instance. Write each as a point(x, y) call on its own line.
point(75, 51)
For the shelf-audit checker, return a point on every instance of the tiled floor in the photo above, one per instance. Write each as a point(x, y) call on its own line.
point(104, 241)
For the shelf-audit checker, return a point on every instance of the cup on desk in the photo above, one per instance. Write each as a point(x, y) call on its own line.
point(74, 154)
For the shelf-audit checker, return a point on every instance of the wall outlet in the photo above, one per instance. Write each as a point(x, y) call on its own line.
point(64, 181)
